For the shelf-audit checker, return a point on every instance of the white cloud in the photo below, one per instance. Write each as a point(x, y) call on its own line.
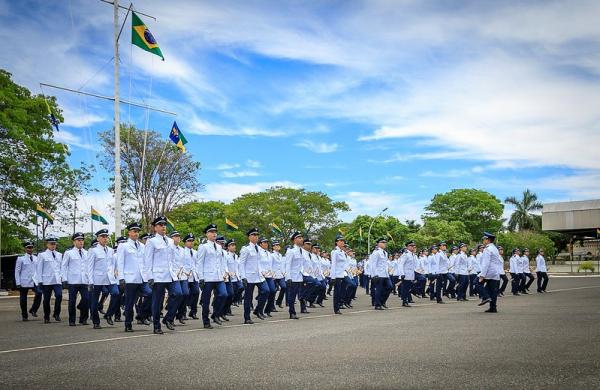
point(253, 164)
point(318, 147)
point(226, 166)
point(71, 139)
point(202, 127)
point(401, 206)
point(227, 191)
point(244, 173)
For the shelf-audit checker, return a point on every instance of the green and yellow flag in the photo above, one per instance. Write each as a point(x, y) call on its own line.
point(170, 225)
point(390, 236)
point(142, 37)
point(341, 232)
point(41, 212)
point(230, 224)
point(177, 137)
point(276, 230)
point(96, 216)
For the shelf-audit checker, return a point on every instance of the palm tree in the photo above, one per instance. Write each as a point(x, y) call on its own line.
point(522, 218)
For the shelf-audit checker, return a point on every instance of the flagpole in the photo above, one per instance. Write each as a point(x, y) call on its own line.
point(92, 220)
point(37, 234)
point(117, 124)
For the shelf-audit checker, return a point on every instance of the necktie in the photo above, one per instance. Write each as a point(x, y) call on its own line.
point(105, 251)
point(31, 257)
point(255, 247)
point(165, 238)
point(53, 255)
point(215, 245)
point(191, 252)
point(300, 250)
point(80, 254)
point(136, 245)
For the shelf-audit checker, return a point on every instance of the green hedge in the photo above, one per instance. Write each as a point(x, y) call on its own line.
point(526, 239)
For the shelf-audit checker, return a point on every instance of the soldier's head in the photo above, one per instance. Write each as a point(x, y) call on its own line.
point(176, 237)
point(188, 240)
point(276, 245)
point(488, 238)
point(307, 244)
point(340, 241)
point(382, 243)
point(210, 231)
point(28, 245)
point(263, 242)
point(434, 249)
point(411, 246)
point(525, 252)
point(102, 236)
point(133, 230)
point(144, 237)
point(297, 238)
point(160, 225)
point(463, 247)
point(316, 249)
point(51, 243)
point(500, 250)
point(252, 235)
point(473, 252)
point(78, 240)
point(442, 246)
point(230, 245)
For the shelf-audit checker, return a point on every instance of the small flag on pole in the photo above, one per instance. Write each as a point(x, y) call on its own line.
point(276, 230)
point(177, 137)
point(170, 225)
point(96, 216)
point(230, 224)
point(53, 119)
point(142, 37)
point(390, 236)
point(341, 231)
point(41, 212)
point(360, 232)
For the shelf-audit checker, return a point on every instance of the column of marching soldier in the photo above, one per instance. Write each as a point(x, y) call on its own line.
point(144, 268)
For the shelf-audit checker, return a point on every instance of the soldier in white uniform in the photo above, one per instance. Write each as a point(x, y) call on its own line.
point(24, 274)
point(461, 268)
point(130, 268)
point(47, 276)
point(473, 268)
point(266, 264)
point(182, 277)
point(190, 266)
point(541, 271)
point(491, 264)
point(102, 271)
point(74, 277)
point(159, 267)
point(528, 277)
point(432, 260)
point(294, 271)
point(232, 269)
point(442, 271)
point(252, 275)
point(407, 265)
point(515, 271)
point(503, 277)
point(451, 275)
point(308, 291)
point(380, 276)
point(318, 272)
point(212, 276)
point(279, 274)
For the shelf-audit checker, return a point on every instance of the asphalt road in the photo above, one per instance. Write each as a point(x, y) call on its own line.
point(536, 341)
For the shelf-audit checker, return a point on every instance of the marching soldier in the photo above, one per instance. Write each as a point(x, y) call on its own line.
point(442, 272)
point(461, 267)
point(24, 280)
point(527, 275)
point(309, 288)
point(74, 277)
point(433, 267)
point(339, 262)
point(278, 275)
point(294, 272)
point(234, 282)
point(47, 276)
point(502, 273)
point(380, 275)
point(407, 265)
point(181, 277)
point(266, 265)
point(473, 268)
point(541, 271)
point(130, 268)
point(101, 266)
point(212, 276)
point(252, 276)
point(159, 266)
point(491, 264)
point(190, 266)
point(318, 271)
point(515, 271)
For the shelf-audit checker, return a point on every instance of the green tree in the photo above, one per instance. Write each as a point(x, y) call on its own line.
point(478, 210)
point(523, 218)
point(527, 239)
point(436, 230)
point(29, 157)
point(385, 226)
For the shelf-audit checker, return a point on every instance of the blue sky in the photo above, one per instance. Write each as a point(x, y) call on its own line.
point(378, 103)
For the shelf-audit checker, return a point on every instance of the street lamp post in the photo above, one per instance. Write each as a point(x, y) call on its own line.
point(370, 226)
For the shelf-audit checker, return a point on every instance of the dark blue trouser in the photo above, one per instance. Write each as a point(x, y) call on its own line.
point(194, 296)
point(405, 289)
point(292, 292)
point(350, 290)
point(132, 292)
point(440, 285)
point(185, 294)
point(263, 292)
point(219, 299)
point(84, 310)
point(451, 285)
point(491, 287)
point(530, 278)
point(158, 297)
point(47, 292)
point(338, 293)
point(463, 284)
point(308, 292)
point(542, 281)
point(282, 290)
point(472, 284)
point(383, 287)
point(431, 287)
point(504, 279)
point(322, 290)
point(229, 297)
point(37, 300)
point(515, 282)
point(113, 290)
point(270, 305)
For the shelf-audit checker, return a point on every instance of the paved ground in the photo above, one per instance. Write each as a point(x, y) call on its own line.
point(536, 341)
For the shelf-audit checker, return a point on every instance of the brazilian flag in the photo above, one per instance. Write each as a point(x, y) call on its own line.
point(96, 216)
point(170, 225)
point(230, 224)
point(276, 230)
point(142, 37)
point(177, 137)
point(41, 212)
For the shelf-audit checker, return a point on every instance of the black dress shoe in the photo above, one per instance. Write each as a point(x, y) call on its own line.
point(293, 317)
point(208, 326)
point(25, 319)
point(384, 306)
point(487, 300)
point(118, 319)
point(158, 331)
point(181, 321)
point(259, 315)
point(109, 320)
point(184, 318)
point(320, 304)
point(304, 312)
point(83, 323)
point(274, 311)
point(169, 324)
point(337, 312)
point(217, 321)
point(33, 313)
point(128, 329)
point(223, 318)
point(379, 308)
point(491, 311)
point(97, 326)
point(194, 317)
point(46, 321)
point(280, 305)
point(248, 322)
point(312, 306)
point(101, 311)
point(71, 324)
point(268, 314)
point(441, 302)
point(57, 318)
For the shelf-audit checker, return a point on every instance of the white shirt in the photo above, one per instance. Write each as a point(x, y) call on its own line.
point(294, 261)
point(158, 259)
point(525, 264)
point(48, 268)
point(190, 264)
point(407, 265)
point(473, 265)
point(101, 266)
point(461, 264)
point(433, 264)
point(540, 264)
point(74, 266)
point(210, 262)
point(250, 268)
point(443, 262)
point(339, 262)
point(379, 259)
point(515, 266)
point(25, 270)
point(130, 261)
point(266, 263)
point(491, 263)
point(277, 264)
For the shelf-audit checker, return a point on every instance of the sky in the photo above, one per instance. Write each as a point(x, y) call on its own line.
point(376, 103)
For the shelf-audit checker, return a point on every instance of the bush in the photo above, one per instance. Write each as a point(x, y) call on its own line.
point(527, 239)
point(585, 266)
